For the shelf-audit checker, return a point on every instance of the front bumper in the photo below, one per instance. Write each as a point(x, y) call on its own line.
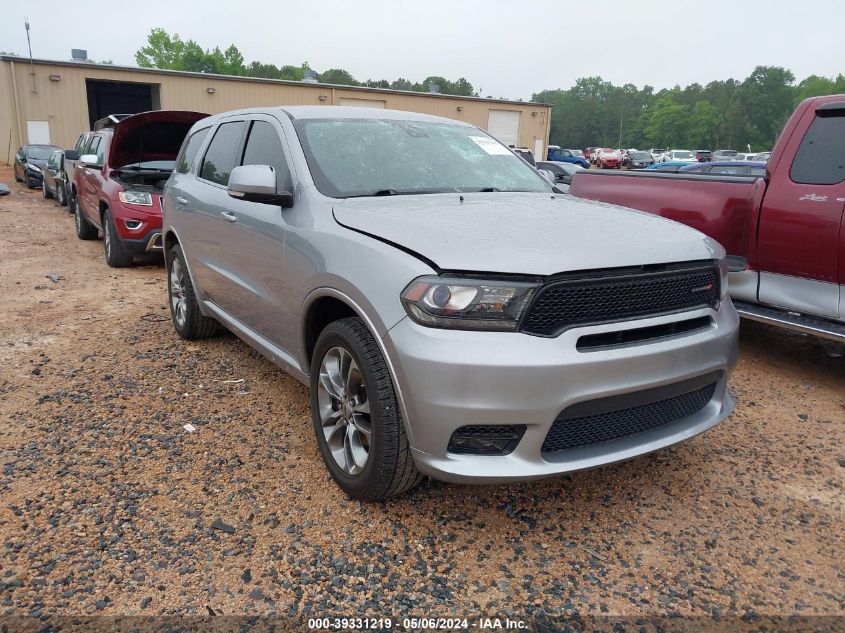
point(448, 379)
point(149, 243)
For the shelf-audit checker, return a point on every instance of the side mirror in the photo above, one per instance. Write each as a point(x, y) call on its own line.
point(545, 173)
point(71, 154)
point(89, 160)
point(257, 183)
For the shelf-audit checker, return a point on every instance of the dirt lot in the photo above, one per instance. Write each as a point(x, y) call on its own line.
point(110, 507)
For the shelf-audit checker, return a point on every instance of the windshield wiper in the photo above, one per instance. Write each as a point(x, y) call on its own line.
point(488, 189)
point(385, 192)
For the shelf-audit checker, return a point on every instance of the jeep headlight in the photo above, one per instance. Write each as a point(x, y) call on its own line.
point(142, 198)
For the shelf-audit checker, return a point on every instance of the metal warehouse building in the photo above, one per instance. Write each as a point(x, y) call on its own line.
point(53, 102)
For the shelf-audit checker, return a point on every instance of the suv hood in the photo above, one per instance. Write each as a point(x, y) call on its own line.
point(523, 233)
point(156, 135)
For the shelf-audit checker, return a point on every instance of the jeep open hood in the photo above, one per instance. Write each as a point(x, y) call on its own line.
point(523, 233)
point(156, 135)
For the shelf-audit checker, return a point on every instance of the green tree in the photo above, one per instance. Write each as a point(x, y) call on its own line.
point(768, 98)
point(338, 76)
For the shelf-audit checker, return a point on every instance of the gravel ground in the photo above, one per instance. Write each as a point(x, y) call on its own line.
point(110, 507)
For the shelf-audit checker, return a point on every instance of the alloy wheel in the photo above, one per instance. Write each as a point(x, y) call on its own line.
point(344, 410)
point(178, 303)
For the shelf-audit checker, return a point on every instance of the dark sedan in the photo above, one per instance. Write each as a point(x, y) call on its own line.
point(30, 161)
point(54, 181)
point(637, 160)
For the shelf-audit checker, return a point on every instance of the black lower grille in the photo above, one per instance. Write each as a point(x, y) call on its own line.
point(620, 297)
point(486, 439)
point(575, 429)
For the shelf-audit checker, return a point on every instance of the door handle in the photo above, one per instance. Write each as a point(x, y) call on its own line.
point(181, 200)
point(229, 217)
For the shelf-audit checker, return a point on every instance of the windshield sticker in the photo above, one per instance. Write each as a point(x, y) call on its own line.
point(494, 148)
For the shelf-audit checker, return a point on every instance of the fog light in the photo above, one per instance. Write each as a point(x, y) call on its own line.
point(133, 225)
point(486, 439)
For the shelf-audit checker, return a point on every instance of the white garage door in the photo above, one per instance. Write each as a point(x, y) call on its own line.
point(504, 125)
point(361, 103)
point(38, 132)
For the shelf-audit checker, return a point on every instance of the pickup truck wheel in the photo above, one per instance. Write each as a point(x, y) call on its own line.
point(356, 417)
point(116, 255)
point(84, 229)
point(188, 321)
point(44, 191)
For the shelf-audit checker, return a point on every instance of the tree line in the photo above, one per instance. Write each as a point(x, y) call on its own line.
point(167, 51)
point(729, 114)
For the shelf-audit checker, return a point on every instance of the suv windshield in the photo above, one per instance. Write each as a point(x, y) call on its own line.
point(682, 154)
point(365, 157)
point(641, 156)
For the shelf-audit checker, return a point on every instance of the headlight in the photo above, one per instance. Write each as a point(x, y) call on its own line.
point(467, 304)
point(34, 168)
point(142, 198)
point(723, 270)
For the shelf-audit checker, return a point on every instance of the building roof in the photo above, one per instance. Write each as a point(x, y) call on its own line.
point(184, 73)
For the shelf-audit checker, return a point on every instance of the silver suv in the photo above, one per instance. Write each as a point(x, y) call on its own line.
point(453, 314)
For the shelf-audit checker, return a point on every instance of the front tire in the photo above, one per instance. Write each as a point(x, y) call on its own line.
point(44, 191)
point(356, 416)
point(188, 321)
point(116, 255)
point(61, 196)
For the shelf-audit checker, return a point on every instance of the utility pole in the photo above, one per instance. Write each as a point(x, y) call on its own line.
point(31, 63)
point(620, 130)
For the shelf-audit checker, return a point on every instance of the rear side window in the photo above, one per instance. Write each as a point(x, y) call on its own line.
point(222, 154)
point(820, 159)
point(192, 148)
point(263, 147)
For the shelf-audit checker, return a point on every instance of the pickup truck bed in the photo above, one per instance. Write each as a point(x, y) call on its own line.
point(784, 234)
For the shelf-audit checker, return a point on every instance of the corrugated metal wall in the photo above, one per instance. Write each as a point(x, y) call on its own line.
point(63, 101)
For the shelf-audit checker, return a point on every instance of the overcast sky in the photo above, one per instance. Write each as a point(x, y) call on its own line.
point(503, 47)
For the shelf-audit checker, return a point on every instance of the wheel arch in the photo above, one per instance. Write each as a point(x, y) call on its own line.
point(320, 303)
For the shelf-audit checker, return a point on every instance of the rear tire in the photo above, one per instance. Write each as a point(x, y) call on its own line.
point(188, 321)
point(116, 255)
point(84, 229)
point(356, 416)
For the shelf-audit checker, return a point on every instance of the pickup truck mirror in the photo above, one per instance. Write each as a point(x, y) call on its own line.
point(71, 154)
point(257, 183)
point(548, 175)
point(89, 160)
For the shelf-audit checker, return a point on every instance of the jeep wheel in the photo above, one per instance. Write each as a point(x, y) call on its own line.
point(116, 255)
point(84, 229)
point(356, 417)
point(188, 321)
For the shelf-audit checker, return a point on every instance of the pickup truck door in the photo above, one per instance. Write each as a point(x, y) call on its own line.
point(800, 232)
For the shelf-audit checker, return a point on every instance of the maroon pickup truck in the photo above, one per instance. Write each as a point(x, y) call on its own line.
point(784, 234)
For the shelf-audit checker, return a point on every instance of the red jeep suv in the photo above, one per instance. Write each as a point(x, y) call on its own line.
point(118, 182)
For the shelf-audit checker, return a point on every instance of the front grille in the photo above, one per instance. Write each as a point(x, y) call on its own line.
point(619, 297)
point(606, 340)
point(572, 429)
